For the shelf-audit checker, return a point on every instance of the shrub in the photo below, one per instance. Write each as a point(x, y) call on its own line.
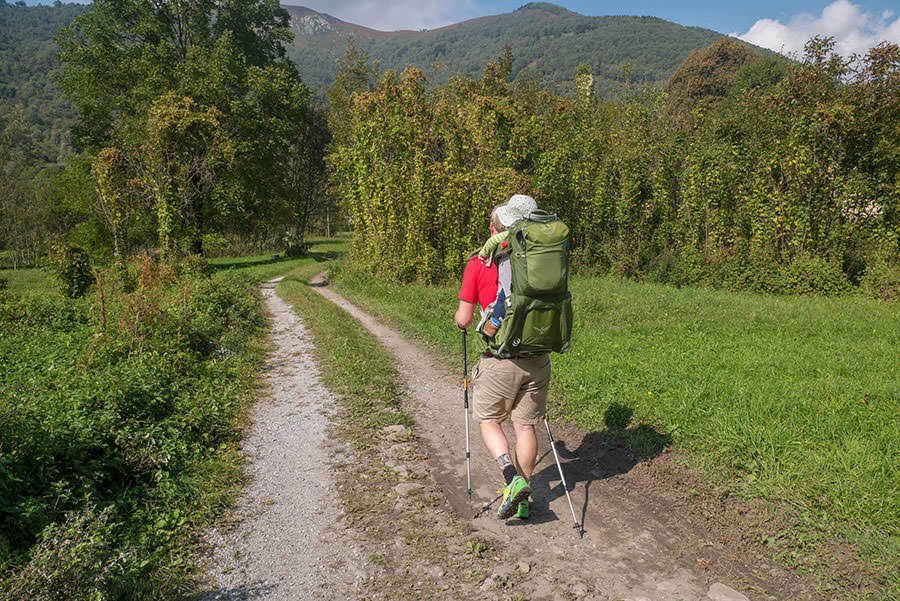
point(222, 305)
point(72, 266)
point(294, 246)
point(51, 312)
point(882, 280)
point(811, 275)
point(117, 410)
point(72, 561)
point(194, 265)
point(665, 268)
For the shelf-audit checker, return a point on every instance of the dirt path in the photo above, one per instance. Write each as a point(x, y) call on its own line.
point(643, 540)
point(286, 541)
point(645, 537)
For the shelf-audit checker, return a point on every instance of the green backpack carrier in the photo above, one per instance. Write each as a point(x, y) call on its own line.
point(534, 272)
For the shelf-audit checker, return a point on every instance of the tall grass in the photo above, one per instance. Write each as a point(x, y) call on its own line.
point(790, 398)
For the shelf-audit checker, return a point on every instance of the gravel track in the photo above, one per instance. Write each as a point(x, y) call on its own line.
point(286, 541)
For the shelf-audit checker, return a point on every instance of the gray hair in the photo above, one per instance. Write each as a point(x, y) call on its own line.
point(495, 220)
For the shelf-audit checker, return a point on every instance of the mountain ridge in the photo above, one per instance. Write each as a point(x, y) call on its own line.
point(547, 40)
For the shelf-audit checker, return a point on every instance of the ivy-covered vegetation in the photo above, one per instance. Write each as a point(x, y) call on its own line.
point(744, 174)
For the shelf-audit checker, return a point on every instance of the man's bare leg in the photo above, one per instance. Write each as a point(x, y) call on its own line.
point(526, 449)
point(498, 446)
point(494, 439)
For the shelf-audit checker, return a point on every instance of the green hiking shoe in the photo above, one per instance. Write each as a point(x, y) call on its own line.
point(524, 510)
point(513, 493)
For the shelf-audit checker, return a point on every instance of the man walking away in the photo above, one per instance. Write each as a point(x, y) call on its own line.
point(504, 388)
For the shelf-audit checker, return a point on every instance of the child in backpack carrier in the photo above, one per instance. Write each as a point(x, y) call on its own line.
point(518, 207)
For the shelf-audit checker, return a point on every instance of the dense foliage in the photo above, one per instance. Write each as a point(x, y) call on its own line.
point(28, 74)
point(780, 179)
point(259, 184)
point(198, 145)
point(115, 407)
point(197, 130)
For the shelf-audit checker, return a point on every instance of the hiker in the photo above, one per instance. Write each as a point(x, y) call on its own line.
point(514, 387)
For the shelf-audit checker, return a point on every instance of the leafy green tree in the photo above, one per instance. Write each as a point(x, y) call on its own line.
point(225, 58)
point(176, 163)
point(123, 54)
point(705, 77)
point(306, 174)
point(114, 204)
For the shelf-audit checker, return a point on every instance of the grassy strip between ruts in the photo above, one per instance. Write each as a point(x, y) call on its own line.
point(791, 399)
point(419, 551)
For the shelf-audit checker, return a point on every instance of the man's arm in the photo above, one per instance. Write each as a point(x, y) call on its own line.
point(464, 314)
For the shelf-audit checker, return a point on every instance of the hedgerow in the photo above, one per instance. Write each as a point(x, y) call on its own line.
point(780, 177)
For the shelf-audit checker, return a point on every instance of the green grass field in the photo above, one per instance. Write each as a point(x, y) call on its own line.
point(27, 279)
point(260, 267)
point(265, 267)
point(786, 398)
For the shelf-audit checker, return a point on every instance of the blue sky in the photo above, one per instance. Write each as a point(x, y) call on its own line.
point(782, 26)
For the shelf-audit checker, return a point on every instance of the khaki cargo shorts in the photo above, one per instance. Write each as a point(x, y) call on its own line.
point(515, 388)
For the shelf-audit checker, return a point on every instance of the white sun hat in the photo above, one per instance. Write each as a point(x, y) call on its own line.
point(517, 207)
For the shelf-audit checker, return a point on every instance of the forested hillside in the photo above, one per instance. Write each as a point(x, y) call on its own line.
point(28, 72)
point(548, 42)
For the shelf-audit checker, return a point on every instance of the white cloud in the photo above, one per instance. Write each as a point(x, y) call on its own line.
point(389, 15)
point(853, 30)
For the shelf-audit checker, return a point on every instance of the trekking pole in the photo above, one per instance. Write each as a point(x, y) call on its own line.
point(466, 406)
point(562, 477)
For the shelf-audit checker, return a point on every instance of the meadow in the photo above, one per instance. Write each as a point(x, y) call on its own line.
point(793, 399)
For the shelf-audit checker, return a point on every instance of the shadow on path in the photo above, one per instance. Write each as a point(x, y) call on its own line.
point(599, 455)
point(257, 590)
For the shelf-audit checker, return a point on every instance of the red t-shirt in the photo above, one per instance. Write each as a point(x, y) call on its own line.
point(479, 283)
